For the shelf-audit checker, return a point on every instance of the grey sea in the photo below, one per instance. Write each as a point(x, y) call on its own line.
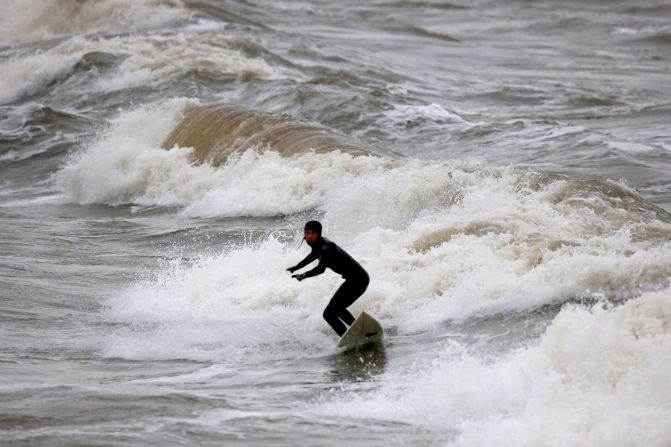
point(502, 170)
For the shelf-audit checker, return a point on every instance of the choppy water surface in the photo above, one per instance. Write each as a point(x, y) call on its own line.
point(501, 169)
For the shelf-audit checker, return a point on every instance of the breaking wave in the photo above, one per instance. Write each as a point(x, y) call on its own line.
point(427, 231)
point(32, 20)
point(597, 376)
point(217, 131)
point(125, 62)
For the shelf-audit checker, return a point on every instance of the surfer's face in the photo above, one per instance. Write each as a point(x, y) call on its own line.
point(310, 236)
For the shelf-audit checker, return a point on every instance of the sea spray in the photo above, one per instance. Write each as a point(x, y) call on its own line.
point(223, 307)
point(537, 239)
point(32, 20)
point(597, 376)
point(126, 62)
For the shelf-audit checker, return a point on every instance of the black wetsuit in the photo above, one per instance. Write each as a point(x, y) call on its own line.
point(356, 280)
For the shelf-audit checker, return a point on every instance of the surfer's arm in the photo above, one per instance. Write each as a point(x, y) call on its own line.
point(308, 259)
point(323, 263)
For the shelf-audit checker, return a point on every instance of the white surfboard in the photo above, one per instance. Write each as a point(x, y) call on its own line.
point(363, 331)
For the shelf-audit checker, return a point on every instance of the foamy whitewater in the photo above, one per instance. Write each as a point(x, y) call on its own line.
point(501, 170)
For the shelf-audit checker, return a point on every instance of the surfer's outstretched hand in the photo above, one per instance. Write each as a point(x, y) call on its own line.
point(299, 276)
point(291, 269)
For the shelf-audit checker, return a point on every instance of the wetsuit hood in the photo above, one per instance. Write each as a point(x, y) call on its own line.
point(314, 226)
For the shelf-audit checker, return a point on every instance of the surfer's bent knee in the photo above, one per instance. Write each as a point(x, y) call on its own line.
point(329, 312)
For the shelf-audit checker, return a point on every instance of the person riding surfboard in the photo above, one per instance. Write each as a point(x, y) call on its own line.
point(332, 256)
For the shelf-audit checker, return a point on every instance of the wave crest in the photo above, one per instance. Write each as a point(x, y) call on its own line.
point(31, 20)
point(216, 131)
point(125, 62)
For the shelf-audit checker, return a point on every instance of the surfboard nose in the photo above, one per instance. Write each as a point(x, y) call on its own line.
point(364, 330)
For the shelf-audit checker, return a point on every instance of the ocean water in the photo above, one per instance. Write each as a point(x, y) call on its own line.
point(502, 169)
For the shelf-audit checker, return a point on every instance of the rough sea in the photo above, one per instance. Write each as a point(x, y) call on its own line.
point(501, 168)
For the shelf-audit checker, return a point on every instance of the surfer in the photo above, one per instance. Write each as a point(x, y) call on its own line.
point(332, 256)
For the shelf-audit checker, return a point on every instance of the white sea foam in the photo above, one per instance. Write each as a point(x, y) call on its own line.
point(412, 291)
point(440, 241)
point(219, 308)
point(31, 20)
point(630, 147)
point(648, 30)
point(146, 59)
point(128, 159)
point(596, 377)
point(401, 115)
